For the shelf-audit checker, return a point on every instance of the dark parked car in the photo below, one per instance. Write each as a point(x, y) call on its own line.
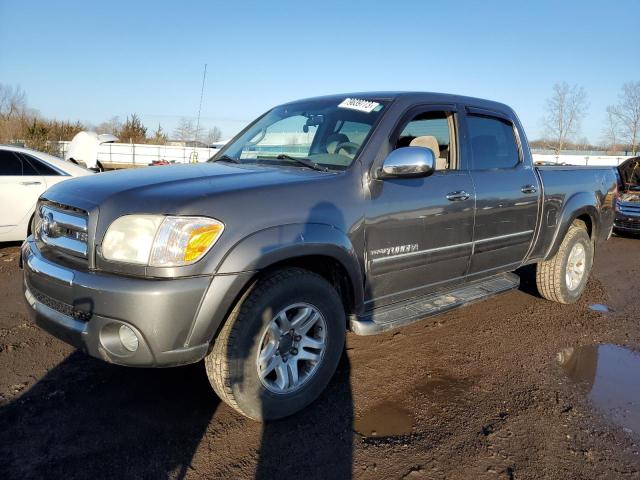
point(363, 212)
point(628, 203)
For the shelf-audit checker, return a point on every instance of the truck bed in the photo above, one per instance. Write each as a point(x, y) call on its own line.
point(591, 187)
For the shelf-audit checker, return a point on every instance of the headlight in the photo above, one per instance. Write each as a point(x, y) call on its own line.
point(160, 241)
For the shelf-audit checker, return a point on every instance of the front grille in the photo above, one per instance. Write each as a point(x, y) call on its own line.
point(63, 228)
point(628, 225)
point(61, 307)
point(52, 303)
point(629, 208)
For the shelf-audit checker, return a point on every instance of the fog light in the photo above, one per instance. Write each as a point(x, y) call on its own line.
point(128, 338)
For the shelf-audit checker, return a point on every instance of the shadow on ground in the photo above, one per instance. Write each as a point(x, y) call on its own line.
point(316, 442)
point(527, 276)
point(88, 419)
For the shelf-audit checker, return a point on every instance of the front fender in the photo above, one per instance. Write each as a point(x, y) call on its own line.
point(580, 204)
point(272, 245)
point(261, 250)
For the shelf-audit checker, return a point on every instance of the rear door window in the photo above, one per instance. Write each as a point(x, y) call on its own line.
point(38, 166)
point(10, 164)
point(493, 143)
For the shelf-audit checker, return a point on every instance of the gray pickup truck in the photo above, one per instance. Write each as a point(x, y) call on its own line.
point(363, 212)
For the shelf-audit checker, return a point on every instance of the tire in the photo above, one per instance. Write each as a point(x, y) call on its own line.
point(551, 275)
point(232, 364)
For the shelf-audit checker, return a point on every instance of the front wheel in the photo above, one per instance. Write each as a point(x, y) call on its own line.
point(564, 276)
point(280, 346)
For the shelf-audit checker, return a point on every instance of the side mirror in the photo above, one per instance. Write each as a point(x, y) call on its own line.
point(408, 162)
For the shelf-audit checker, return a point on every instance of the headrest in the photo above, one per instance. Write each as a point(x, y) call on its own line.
point(427, 141)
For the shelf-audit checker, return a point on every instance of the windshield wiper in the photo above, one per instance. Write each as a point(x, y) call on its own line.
point(226, 158)
point(303, 161)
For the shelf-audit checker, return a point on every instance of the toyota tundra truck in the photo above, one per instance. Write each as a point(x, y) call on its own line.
point(361, 212)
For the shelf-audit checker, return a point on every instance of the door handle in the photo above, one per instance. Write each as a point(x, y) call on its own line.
point(30, 183)
point(458, 196)
point(529, 189)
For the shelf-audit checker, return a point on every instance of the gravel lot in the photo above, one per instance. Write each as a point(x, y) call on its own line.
point(476, 393)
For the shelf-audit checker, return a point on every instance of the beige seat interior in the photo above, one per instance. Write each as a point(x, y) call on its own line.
point(429, 141)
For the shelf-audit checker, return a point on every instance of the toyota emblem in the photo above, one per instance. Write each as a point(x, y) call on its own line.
point(48, 225)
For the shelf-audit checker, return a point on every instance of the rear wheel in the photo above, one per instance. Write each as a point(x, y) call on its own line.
point(280, 346)
point(564, 277)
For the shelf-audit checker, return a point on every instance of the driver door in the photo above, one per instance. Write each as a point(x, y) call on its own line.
point(419, 231)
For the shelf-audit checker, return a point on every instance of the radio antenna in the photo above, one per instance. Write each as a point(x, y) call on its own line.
point(204, 76)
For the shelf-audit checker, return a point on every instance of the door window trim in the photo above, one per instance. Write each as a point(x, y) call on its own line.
point(415, 110)
point(493, 114)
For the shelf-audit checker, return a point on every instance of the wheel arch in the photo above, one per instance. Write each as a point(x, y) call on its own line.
point(582, 207)
point(318, 248)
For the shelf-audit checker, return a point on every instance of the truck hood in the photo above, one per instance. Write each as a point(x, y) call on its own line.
point(629, 171)
point(166, 188)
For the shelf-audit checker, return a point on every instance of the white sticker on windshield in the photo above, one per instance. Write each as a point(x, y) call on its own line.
point(359, 104)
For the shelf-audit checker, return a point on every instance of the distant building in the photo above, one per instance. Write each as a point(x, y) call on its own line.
point(186, 143)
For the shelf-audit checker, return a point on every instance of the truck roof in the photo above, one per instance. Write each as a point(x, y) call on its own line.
point(431, 97)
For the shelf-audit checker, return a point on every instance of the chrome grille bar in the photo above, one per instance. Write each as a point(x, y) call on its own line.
point(62, 230)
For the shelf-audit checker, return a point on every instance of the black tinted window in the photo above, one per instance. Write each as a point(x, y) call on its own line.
point(27, 168)
point(10, 164)
point(37, 166)
point(492, 142)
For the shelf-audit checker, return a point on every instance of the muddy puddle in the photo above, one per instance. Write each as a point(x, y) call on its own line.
point(610, 375)
point(390, 419)
point(600, 308)
point(442, 388)
point(387, 419)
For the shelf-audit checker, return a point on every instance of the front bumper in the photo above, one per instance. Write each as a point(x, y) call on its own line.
point(86, 309)
point(625, 223)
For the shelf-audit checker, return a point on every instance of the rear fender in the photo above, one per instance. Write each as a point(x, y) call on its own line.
point(580, 204)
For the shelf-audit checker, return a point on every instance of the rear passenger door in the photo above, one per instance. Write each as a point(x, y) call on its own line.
point(50, 175)
point(507, 192)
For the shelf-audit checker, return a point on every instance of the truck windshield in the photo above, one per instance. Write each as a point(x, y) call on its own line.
point(328, 133)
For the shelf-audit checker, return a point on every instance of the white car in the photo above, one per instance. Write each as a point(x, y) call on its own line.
point(24, 175)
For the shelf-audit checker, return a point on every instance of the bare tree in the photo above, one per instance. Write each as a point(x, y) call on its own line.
point(112, 126)
point(14, 114)
point(565, 110)
point(610, 133)
point(627, 113)
point(13, 101)
point(213, 135)
point(185, 130)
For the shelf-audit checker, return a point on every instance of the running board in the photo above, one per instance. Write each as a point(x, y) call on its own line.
point(410, 311)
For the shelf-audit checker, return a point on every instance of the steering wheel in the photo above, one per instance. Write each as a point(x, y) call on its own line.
point(350, 147)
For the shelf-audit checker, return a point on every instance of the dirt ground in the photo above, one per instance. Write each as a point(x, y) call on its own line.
point(476, 393)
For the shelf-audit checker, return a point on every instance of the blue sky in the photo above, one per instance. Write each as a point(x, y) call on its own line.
point(90, 61)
